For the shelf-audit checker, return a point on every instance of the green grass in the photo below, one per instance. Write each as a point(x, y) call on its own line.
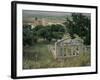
point(38, 56)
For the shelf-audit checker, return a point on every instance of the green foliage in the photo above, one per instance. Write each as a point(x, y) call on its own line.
point(55, 31)
point(80, 25)
point(27, 35)
point(36, 33)
point(49, 32)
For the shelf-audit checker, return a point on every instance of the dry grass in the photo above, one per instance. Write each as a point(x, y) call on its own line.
point(38, 56)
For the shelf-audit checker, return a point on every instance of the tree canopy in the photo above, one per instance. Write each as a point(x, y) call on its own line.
point(79, 24)
point(49, 32)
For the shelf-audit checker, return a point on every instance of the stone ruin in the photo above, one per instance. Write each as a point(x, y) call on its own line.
point(68, 48)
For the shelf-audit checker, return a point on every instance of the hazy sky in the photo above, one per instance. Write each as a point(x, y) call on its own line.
point(43, 13)
point(28, 15)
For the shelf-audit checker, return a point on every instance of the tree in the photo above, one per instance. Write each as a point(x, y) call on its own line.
point(43, 33)
point(79, 24)
point(57, 31)
point(49, 32)
point(36, 33)
point(30, 35)
point(27, 35)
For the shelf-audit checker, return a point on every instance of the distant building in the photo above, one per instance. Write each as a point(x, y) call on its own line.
point(44, 22)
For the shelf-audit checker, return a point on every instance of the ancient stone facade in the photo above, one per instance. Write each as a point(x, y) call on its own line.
point(67, 48)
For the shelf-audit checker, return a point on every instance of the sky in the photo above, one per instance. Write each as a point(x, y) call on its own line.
point(28, 15)
point(43, 13)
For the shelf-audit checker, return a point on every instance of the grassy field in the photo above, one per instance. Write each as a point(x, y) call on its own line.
point(38, 56)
